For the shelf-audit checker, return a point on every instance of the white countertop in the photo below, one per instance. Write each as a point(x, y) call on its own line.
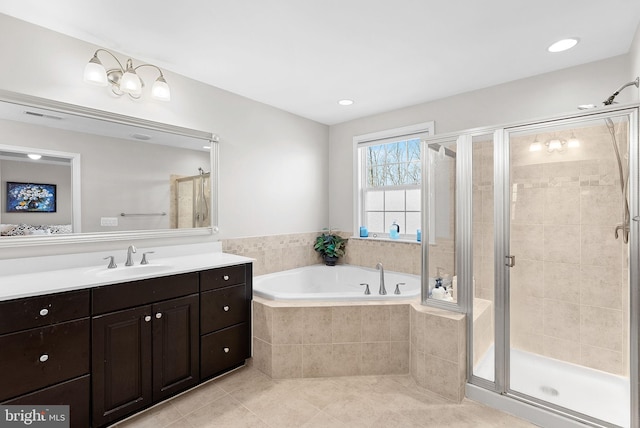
point(45, 278)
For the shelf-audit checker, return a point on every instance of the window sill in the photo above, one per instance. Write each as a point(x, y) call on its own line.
point(407, 240)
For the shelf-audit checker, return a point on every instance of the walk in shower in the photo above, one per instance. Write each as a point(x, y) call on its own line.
point(551, 218)
point(192, 200)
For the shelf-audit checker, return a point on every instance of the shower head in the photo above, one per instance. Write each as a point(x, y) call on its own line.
point(609, 100)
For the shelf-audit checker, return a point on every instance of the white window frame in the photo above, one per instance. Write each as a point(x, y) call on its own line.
point(420, 131)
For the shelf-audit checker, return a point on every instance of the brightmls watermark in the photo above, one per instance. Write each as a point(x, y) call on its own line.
point(34, 416)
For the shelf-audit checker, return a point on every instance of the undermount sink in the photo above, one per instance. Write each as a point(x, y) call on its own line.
point(131, 271)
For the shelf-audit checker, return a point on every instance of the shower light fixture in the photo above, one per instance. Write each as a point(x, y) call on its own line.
point(124, 80)
point(555, 144)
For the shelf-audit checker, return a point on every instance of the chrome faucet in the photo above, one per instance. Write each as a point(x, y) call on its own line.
point(382, 290)
point(130, 251)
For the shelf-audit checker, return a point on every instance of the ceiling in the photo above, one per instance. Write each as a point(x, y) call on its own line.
point(303, 56)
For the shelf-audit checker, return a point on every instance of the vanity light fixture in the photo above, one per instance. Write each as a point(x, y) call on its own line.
point(563, 45)
point(34, 156)
point(124, 80)
point(536, 146)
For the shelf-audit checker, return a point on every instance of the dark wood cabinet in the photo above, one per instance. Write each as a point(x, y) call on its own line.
point(144, 354)
point(121, 361)
point(225, 318)
point(111, 351)
point(175, 346)
point(45, 352)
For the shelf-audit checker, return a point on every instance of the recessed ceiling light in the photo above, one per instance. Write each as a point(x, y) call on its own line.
point(563, 45)
point(345, 102)
point(34, 156)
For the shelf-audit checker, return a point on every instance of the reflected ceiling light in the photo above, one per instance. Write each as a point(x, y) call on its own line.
point(34, 156)
point(124, 80)
point(573, 142)
point(563, 45)
point(345, 102)
point(536, 146)
point(586, 106)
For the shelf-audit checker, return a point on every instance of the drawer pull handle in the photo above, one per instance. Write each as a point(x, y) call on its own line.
point(44, 312)
point(226, 308)
point(159, 315)
point(226, 277)
point(147, 318)
point(226, 350)
point(43, 358)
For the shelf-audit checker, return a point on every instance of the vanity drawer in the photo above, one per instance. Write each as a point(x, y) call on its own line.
point(74, 393)
point(40, 357)
point(222, 277)
point(30, 312)
point(110, 298)
point(224, 350)
point(223, 308)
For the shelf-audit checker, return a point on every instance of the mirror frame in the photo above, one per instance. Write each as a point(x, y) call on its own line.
point(79, 238)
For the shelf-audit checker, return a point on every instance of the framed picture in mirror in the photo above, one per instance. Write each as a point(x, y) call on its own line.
point(31, 197)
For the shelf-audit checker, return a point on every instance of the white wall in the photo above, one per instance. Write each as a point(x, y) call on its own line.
point(534, 97)
point(273, 164)
point(634, 54)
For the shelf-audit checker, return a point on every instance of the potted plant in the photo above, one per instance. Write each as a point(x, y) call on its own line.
point(330, 246)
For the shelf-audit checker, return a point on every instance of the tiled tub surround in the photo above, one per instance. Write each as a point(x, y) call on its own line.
point(283, 252)
point(327, 339)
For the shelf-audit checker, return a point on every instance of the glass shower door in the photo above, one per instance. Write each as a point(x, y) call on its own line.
point(567, 290)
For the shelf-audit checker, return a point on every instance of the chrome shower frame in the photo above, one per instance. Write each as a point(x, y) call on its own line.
point(497, 393)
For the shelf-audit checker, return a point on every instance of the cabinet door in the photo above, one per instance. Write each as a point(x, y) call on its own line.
point(121, 367)
point(73, 393)
point(225, 349)
point(175, 346)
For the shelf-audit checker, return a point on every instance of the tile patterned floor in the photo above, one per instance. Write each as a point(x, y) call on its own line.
point(248, 398)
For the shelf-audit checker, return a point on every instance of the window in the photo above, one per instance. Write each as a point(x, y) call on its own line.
point(389, 179)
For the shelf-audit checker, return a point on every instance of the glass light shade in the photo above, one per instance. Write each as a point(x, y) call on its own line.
point(130, 83)
point(555, 145)
point(535, 147)
point(95, 73)
point(160, 90)
point(573, 143)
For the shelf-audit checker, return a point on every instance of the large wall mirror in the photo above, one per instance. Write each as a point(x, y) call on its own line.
point(71, 174)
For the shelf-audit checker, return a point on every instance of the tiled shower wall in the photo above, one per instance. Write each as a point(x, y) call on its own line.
point(569, 287)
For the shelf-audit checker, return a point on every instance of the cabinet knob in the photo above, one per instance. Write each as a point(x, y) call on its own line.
point(159, 315)
point(147, 318)
point(44, 312)
point(226, 350)
point(225, 308)
point(43, 358)
point(226, 277)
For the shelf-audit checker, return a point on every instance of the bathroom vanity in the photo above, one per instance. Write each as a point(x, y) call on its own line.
point(112, 347)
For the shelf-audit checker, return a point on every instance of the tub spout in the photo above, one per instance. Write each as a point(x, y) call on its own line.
point(382, 290)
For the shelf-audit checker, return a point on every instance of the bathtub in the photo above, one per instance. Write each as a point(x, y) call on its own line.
point(341, 282)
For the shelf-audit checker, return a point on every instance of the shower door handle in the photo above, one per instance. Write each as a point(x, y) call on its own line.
point(511, 261)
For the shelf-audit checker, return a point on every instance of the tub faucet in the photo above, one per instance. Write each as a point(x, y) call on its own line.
point(382, 290)
point(130, 251)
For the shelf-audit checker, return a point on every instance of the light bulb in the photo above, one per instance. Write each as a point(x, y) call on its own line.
point(535, 147)
point(130, 82)
point(94, 72)
point(160, 90)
